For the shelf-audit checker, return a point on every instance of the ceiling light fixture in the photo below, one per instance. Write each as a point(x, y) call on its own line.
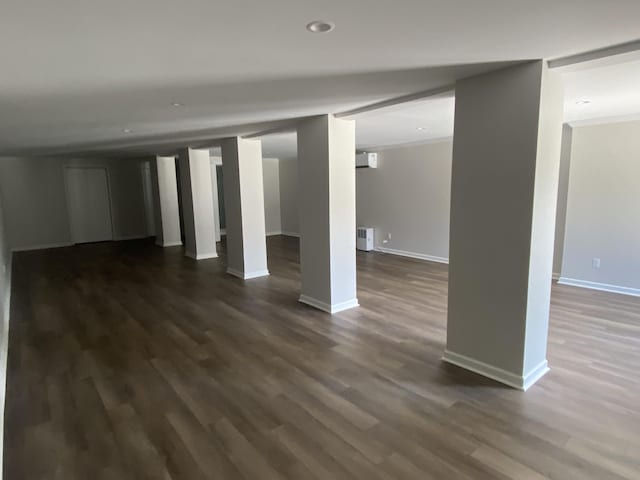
point(177, 104)
point(583, 102)
point(126, 130)
point(320, 26)
point(421, 128)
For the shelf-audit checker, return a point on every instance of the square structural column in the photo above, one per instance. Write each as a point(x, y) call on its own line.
point(327, 208)
point(165, 194)
point(506, 157)
point(244, 208)
point(197, 204)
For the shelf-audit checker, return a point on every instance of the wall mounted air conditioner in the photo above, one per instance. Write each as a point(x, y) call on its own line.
point(364, 239)
point(367, 160)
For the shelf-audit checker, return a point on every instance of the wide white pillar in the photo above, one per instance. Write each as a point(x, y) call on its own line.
point(197, 204)
point(165, 193)
point(244, 208)
point(327, 207)
point(506, 154)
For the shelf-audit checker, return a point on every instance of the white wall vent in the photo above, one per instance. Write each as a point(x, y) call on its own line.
point(364, 239)
point(367, 160)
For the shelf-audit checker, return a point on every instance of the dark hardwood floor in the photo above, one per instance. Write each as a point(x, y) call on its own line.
point(127, 361)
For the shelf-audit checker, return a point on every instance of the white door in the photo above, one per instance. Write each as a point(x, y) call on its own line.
point(147, 189)
point(89, 204)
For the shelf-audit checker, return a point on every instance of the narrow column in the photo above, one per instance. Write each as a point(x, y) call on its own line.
point(197, 204)
point(506, 154)
point(244, 208)
point(165, 194)
point(327, 207)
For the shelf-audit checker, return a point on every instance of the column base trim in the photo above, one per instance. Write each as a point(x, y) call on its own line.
point(519, 382)
point(247, 275)
point(200, 256)
point(326, 307)
point(169, 244)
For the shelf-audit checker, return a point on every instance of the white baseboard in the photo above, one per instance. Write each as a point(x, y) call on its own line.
point(271, 234)
point(247, 275)
point(200, 256)
point(419, 256)
point(42, 247)
point(4, 350)
point(605, 287)
point(169, 244)
point(130, 237)
point(290, 234)
point(329, 308)
point(555, 276)
point(520, 382)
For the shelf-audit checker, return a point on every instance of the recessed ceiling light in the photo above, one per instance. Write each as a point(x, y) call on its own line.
point(126, 130)
point(320, 26)
point(583, 102)
point(177, 104)
point(422, 128)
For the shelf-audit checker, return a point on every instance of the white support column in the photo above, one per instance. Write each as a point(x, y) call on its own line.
point(244, 208)
point(197, 204)
point(165, 193)
point(214, 162)
point(506, 154)
point(327, 206)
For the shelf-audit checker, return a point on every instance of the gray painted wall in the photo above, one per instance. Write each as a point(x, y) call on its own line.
point(563, 193)
point(5, 275)
point(289, 218)
point(408, 196)
point(271, 182)
point(603, 210)
point(35, 200)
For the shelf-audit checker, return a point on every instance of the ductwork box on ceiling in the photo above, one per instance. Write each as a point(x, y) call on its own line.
point(367, 160)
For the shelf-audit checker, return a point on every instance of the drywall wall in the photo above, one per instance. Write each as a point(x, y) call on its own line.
point(5, 298)
point(289, 219)
point(563, 193)
point(5, 277)
point(408, 197)
point(271, 182)
point(35, 200)
point(603, 209)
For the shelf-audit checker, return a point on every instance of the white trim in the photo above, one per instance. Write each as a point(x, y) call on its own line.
point(605, 287)
point(520, 382)
point(555, 276)
point(42, 247)
point(249, 275)
point(271, 234)
point(419, 256)
point(169, 244)
point(4, 350)
point(131, 237)
point(329, 308)
point(632, 117)
point(290, 234)
point(200, 256)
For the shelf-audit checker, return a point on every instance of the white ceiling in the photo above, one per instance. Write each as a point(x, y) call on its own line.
point(75, 73)
point(612, 90)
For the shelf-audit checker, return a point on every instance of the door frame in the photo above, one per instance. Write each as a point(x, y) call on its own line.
point(66, 194)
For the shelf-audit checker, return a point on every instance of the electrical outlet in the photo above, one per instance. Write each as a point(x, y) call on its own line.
point(595, 263)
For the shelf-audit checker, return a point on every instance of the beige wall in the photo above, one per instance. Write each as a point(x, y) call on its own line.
point(603, 210)
point(35, 199)
point(408, 197)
